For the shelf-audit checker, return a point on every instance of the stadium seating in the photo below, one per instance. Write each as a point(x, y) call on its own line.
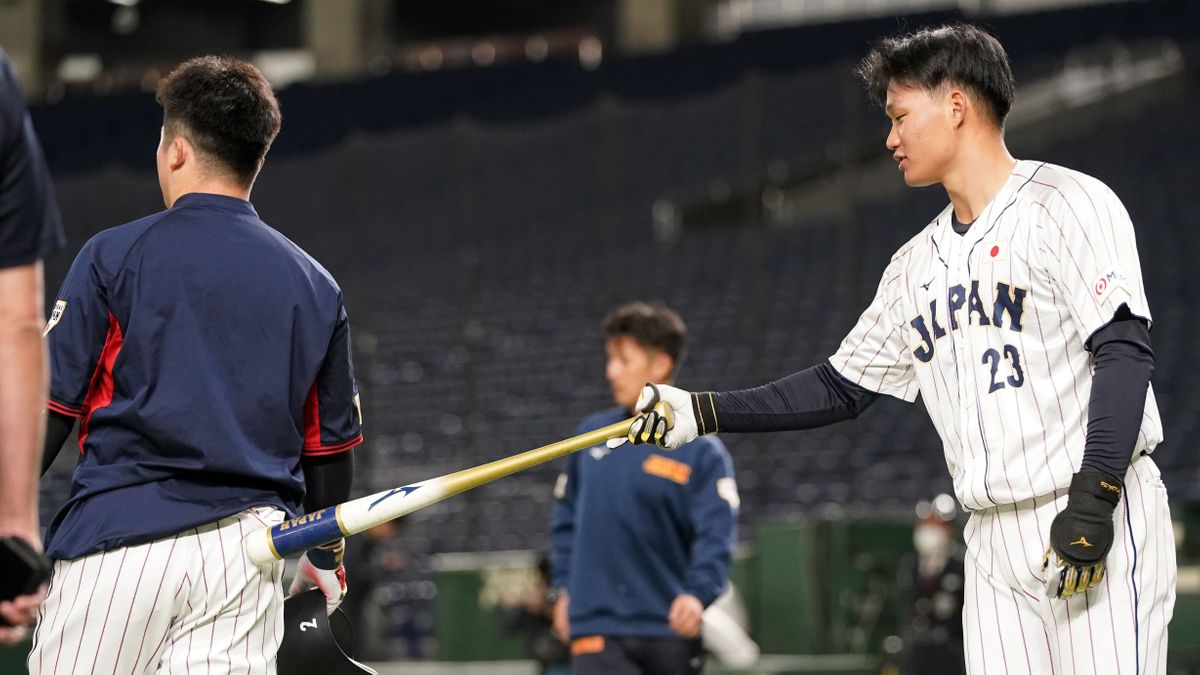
point(479, 260)
point(479, 255)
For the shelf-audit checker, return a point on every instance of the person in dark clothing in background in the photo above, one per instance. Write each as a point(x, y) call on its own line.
point(935, 582)
point(533, 618)
point(642, 538)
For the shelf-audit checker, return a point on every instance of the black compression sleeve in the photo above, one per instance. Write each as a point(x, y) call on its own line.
point(1123, 362)
point(810, 398)
point(327, 480)
point(58, 428)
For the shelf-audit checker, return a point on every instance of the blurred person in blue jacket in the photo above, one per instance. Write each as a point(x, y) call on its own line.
point(642, 538)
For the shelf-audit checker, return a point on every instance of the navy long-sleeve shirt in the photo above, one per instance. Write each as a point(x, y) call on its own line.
point(637, 526)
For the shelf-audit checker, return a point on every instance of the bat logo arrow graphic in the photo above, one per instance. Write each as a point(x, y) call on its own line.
point(402, 491)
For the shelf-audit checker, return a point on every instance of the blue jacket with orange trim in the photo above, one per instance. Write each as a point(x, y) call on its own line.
point(637, 526)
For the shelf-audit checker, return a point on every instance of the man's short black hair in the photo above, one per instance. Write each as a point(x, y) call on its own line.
point(653, 326)
point(226, 108)
point(959, 54)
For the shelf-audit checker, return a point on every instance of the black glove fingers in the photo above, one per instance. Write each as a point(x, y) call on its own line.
point(1084, 580)
point(650, 431)
point(655, 397)
point(1059, 583)
point(1071, 583)
point(660, 431)
point(635, 429)
point(645, 428)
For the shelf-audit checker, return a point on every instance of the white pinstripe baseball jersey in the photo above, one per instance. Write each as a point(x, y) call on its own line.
point(990, 327)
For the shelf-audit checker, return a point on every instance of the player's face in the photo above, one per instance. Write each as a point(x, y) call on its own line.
point(630, 366)
point(922, 137)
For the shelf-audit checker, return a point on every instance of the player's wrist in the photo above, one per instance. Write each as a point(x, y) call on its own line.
point(704, 409)
point(1082, 533)
point(328, 556)
point(25, 529)
point(1095, 491)
point(702, 595)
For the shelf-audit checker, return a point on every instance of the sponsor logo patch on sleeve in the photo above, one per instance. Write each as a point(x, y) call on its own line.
point(1107, 282)
point(55, 316)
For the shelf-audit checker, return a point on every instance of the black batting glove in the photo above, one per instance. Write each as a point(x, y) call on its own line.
point(1082, 534)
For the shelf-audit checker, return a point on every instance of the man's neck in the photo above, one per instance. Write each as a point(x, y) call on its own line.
point(214, 187)
point(978, 179)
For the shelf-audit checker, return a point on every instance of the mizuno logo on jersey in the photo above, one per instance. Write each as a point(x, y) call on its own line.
point(1009, 301)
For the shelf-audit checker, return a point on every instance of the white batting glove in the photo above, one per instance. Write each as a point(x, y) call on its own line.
point(321, 567)
point(669, 425)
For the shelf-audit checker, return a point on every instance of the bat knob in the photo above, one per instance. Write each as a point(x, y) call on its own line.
point(664, 410)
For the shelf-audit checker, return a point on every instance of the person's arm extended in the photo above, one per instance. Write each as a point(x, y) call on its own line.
point(873, 359)
point(810, 398)
point(22, 398)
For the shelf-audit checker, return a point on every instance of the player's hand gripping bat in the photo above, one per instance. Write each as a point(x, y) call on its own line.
point(332, 523)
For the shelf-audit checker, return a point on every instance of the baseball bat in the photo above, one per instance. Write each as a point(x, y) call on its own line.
point(332, 523)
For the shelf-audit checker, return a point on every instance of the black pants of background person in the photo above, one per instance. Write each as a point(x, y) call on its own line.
point(624, 655)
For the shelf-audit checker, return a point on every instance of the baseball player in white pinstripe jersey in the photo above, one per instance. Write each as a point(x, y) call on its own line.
point(1020, 318)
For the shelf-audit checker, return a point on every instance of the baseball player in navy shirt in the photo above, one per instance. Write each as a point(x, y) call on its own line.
point(206, 359)
point(30, 228)
point(642, 538)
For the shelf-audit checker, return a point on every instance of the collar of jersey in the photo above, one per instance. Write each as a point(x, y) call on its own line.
point(209, 200)
point(982, 224)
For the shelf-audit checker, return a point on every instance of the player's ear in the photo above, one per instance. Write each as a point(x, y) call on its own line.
point(956, 106)
point(662, 366)
point(179, 152)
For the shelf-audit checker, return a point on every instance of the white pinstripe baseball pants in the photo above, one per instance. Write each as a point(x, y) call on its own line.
point(192, 603)
point(1117, 628)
